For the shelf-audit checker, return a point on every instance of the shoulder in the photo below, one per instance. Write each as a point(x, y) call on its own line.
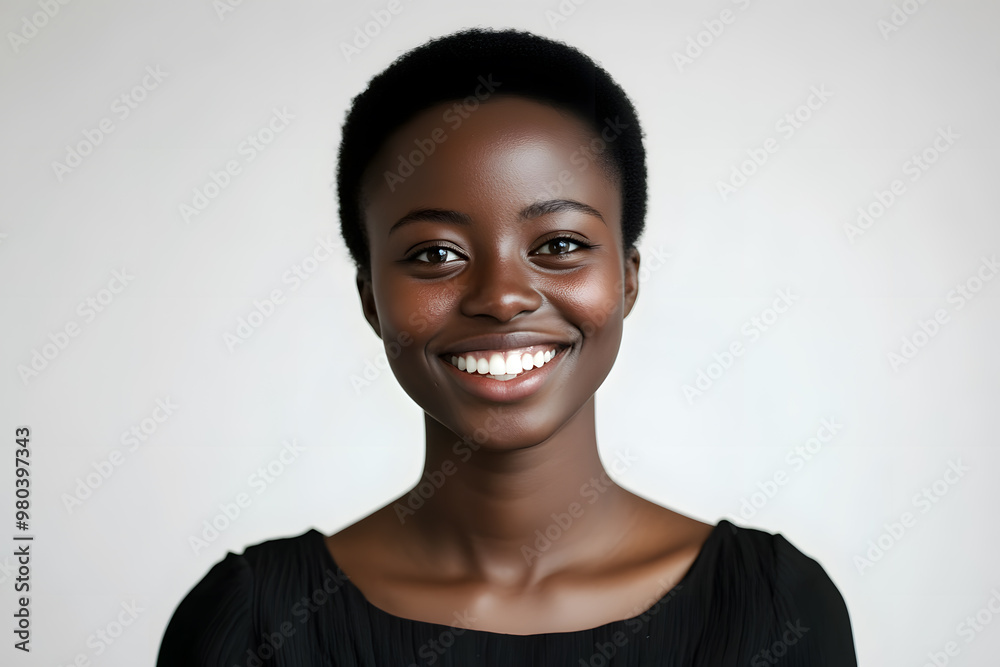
point(809, 621)
point(214, 623)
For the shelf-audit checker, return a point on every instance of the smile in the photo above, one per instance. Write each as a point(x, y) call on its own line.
point(503, 365)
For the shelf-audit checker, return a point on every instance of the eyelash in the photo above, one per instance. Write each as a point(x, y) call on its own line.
point(412, 257)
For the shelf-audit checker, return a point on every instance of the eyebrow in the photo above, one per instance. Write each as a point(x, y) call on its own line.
point(530, 212)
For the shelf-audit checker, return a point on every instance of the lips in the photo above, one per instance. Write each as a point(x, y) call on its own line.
point(502, 342)
point(503, 367)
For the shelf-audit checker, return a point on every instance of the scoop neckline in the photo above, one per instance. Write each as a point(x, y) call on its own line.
point(696, 564)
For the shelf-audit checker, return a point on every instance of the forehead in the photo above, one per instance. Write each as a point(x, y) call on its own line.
point(507, 149)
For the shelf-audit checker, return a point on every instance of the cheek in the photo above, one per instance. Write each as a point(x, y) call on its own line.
point(594, 304)
point(414, 310)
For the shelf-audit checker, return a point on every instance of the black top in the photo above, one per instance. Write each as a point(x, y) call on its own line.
point(749, 598)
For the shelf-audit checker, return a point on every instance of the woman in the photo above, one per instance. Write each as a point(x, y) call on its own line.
point(492, 189)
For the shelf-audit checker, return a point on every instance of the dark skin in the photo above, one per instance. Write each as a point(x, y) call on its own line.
point(495, 265)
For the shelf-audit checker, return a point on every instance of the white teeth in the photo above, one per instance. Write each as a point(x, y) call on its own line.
point(513, 365)
point(527, 362)
point(497, 367)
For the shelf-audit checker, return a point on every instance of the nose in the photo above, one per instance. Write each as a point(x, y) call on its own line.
point(499, 287)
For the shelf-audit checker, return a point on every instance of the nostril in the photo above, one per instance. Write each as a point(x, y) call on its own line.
point(500, 295)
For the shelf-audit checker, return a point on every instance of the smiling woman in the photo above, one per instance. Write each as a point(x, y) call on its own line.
point(503, 248)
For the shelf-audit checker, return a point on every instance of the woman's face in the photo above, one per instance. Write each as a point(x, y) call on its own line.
point(495, 237)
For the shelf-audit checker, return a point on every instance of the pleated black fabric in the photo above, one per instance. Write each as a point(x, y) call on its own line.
point(750, 599)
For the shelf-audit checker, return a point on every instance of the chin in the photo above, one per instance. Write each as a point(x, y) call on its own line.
point(543, 408)
point(508, 427)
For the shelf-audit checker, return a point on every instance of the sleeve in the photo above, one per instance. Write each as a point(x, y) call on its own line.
point(212, 626)
point(815, 627)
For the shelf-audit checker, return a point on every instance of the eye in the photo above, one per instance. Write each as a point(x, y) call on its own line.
point(435, 255)
point(561, 245)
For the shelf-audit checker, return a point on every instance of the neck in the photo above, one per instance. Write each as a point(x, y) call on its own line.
point(517, 516)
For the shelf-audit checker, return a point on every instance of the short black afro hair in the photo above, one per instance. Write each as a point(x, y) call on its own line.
point(449, 68)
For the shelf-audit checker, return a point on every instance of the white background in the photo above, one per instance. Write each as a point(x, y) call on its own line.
point(827, 357)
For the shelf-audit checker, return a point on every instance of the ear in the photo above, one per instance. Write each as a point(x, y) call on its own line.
point(631, 281)
point(364, 283)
